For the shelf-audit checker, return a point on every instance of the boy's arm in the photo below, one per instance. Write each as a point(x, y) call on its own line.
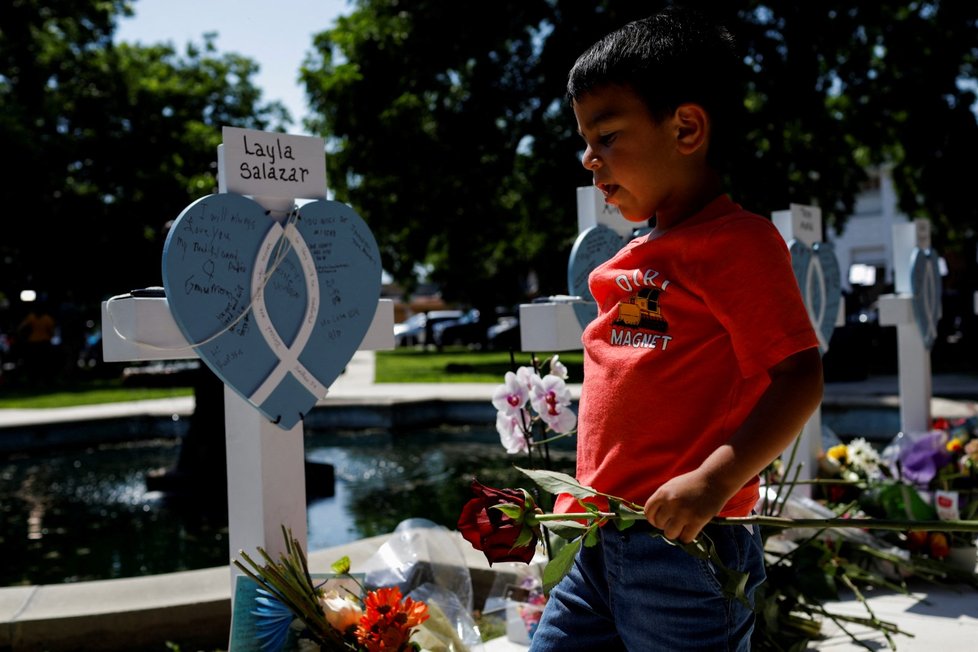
point(685, 504)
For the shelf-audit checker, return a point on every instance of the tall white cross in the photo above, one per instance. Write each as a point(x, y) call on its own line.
point(914, 308)
point(817, 271)
point(265, 463)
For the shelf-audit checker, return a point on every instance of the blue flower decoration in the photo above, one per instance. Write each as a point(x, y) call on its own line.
point(274, 620)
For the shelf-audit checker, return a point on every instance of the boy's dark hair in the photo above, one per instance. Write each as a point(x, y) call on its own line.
point(670, 58)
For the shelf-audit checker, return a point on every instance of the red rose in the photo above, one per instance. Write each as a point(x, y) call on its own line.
point(495, 523)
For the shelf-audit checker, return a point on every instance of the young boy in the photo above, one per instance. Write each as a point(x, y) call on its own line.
point(702, 365)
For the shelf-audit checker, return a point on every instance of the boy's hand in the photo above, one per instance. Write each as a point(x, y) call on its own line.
point(684, 505)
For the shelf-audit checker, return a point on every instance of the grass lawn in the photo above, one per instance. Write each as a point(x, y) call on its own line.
point(408, 365)
point(83, 392)
point(459, 365)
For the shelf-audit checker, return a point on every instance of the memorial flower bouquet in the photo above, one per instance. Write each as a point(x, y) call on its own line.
point(291, 604)
point(506, 524)
point(840, 550)
point(941, 465)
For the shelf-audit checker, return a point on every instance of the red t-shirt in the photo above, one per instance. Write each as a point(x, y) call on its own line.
point(688, 325)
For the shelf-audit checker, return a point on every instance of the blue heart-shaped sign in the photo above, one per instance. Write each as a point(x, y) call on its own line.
point(817, 271)
point(801, 260)
point(593, 246)
point(275, 309)
point(827, 282)
point(927, 288)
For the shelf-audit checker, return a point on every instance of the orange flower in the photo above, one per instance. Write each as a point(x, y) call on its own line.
point(938, 545)
point(387, 620)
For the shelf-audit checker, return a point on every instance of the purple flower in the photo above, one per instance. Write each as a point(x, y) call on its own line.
point(921, 460)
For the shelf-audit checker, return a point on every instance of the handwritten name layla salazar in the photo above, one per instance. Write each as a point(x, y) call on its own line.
point(266, 168)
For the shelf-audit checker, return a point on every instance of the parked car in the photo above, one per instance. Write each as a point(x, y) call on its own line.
point(410, 332)
point(436, 317)
point(467, 330)
point(504, 335)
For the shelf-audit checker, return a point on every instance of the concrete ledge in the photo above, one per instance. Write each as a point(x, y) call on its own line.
point(191, 609)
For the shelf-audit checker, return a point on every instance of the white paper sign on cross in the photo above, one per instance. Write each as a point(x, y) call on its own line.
point(915, 309)
point(266, 462)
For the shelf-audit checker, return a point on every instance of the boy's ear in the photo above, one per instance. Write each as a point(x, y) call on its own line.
point(692, 128)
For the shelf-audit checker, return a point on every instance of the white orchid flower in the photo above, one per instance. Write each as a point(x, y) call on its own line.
point(551, 399)
point(527, 376)
point(511, 396)
point(557, 368)
point(510, 429)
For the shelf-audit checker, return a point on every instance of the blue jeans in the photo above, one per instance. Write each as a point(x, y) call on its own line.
point(636, 592)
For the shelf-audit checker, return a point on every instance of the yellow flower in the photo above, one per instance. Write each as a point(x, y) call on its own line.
point(839, 453)
point(955, 446)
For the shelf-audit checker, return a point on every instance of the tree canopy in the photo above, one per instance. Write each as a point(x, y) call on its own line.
point(448, 128)
point(105, 144)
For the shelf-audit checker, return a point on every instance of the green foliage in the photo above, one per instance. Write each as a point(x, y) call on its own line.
point(447, 129)
point(449, 132)
point(107, 143)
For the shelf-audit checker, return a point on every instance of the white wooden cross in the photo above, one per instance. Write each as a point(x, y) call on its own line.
point(915, 309)
point(265, 463)
point(817, 271)
point(554, 325)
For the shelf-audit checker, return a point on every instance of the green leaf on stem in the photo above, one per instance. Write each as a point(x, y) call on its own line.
point(560, 565)
point(557, 483)
point(526, 537)
point(566, 529)
point(591, 536)
point(511, 510)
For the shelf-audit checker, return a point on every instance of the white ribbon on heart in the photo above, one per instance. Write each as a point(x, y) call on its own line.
point(925, 290)
point(930, 302)
point(288, 356)
point(816, 275)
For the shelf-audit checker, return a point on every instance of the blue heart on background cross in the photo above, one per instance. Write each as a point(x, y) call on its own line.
point(593, 246)
point(927, 288)
point(275, 309)
point(816, 269)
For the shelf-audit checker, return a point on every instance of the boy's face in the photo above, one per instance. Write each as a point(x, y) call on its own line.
point(633, 158)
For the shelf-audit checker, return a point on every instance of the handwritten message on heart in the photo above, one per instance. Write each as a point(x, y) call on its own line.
point(275, 308)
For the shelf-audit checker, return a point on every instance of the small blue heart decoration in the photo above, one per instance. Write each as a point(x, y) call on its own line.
point(801, 260)
point(816, 269)
point(829, 288)
point(593, 246)
point(927, 288)
point(275, 308)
